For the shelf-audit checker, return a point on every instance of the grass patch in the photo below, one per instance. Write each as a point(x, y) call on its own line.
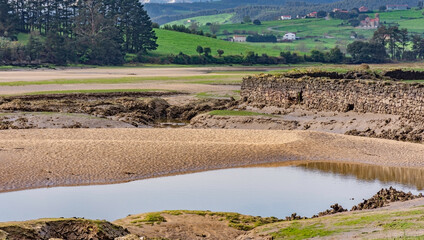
point(206, 95)
point(414, 81)
point(151, 218)
point(179, 212)
point(400, 225)
point(361, 220)
point(297, 232)
point(202, 20)
point(217, 82)
point(236, 113)
point(7, 67)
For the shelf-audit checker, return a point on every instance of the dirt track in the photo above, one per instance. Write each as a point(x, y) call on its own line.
point(40, 158)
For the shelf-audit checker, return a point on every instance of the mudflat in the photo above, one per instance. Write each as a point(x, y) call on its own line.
point(57, 157)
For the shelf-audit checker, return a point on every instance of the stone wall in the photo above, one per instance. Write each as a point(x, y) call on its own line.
point(324, 94)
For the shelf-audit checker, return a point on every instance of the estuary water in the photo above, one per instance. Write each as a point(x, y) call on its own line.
point(272, 190)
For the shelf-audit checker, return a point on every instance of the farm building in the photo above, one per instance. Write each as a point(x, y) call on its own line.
point(370, 23)
point(286, 17)
point(396, 7)
point(289, 36)
point(239, 38)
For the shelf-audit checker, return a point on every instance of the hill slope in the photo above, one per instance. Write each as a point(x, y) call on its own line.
point(171, 42)
point(218, 18)
point(320, 33)
point(258, 9)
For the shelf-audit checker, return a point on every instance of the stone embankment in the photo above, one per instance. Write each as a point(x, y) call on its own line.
point(326, 94)
point(362, 92)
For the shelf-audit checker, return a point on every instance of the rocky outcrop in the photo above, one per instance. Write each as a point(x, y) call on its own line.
point(384, 197)
point(403, 133)
point(70, 229)
point(130, 109)
point(335, 208)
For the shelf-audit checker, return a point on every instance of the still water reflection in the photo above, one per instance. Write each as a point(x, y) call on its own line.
point(263, 191)
point(407, 176)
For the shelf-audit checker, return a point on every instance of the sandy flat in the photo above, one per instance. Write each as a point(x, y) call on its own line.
point(40, 158)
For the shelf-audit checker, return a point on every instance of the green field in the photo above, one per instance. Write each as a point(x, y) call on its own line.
point(219, 19)
point(171, 42)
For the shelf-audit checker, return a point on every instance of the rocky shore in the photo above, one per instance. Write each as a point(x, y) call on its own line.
point(175, 224)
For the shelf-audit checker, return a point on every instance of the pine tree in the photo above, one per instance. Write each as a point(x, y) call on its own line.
point(7, 27)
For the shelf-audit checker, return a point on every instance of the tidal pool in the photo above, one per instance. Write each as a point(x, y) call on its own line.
point(271, 190)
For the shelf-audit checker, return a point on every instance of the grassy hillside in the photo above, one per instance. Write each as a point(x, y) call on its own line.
point(320, 33)
point(413, 20)
point(171, 42)
point(218, 18)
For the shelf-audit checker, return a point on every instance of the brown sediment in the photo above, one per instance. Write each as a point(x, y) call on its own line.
point(58, 157)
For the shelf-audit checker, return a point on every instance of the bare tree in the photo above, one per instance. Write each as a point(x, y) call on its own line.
point(214, 28)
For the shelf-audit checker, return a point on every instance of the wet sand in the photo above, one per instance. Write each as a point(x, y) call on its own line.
point(59, 157)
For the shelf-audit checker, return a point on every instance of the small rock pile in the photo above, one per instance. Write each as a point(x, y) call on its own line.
point(294, 216)
point(336, 208)
point(385, 196)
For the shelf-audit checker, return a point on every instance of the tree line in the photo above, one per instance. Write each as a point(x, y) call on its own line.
point(205, 55)
point(388, 43)
point(74, 31)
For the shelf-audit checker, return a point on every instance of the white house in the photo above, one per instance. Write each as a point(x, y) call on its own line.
point(289, 36)
point(396, 7)
point(239, 38)
point(286, 17)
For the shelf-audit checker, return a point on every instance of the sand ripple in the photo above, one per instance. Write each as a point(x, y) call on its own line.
point(53, 157)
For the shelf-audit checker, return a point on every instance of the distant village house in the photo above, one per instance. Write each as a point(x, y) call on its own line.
point(363, 9)
point(371, 23)
point(239, 38)
point(396, 7)
point(289, 36)
point(286, 17)
point(312, 14)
